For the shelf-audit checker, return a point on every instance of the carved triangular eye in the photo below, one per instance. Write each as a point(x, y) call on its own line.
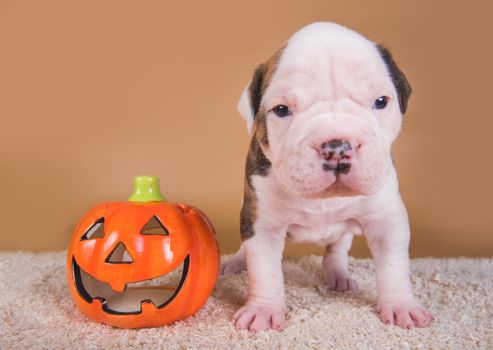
point(120, 255)
point(95, 231)
point(154, 227)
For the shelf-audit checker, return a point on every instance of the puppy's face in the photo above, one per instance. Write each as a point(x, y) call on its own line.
point(325, 110)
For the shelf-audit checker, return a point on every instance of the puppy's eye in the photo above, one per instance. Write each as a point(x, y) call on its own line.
point(282, 111)
point(381, 102)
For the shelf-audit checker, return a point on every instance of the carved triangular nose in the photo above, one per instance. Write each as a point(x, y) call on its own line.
point(119, 255)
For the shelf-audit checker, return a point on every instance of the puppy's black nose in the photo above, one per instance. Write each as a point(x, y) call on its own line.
point(337, 154)
point(337, 145)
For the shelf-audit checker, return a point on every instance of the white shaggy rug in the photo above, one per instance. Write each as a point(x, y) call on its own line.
point(36, 311)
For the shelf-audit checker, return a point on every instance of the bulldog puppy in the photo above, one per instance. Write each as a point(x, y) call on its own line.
point(323, 112)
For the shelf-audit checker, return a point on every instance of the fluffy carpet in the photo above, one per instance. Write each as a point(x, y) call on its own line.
point(36, 311)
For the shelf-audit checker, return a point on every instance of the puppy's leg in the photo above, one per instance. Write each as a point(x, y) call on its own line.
point(265, 307)
point(234, 264)
point(335, 265)
point(388, 239)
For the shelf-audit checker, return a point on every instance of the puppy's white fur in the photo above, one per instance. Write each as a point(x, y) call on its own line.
point(329, 76)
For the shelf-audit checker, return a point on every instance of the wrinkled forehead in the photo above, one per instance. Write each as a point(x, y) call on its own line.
point(329, 62)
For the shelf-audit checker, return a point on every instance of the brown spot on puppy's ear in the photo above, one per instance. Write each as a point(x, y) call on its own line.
point(255, 89)
point(261, 79)
point(398, 78)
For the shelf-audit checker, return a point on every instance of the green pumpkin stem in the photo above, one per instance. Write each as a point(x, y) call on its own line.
point(146, 189)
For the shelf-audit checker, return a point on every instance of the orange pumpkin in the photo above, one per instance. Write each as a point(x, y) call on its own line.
point(121, 252)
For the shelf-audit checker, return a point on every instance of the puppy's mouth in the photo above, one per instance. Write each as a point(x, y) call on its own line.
point(130, 300)
point(336, 189)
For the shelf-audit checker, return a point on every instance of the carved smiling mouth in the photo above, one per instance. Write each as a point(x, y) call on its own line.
point(130, 300)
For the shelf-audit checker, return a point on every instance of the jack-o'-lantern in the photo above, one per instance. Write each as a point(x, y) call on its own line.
point(122, 251)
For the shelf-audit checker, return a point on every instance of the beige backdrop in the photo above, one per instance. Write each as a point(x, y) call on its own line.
point(95, 92)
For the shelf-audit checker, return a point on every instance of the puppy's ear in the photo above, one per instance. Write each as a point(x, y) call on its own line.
point(398, 78)
point(250, 99)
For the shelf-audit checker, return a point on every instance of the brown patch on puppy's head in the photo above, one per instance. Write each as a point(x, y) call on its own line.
point(398, 78)
point(260, 81)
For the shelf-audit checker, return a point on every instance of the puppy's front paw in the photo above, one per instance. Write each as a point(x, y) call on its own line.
point(340, 282)
point(260, 318)
point(404, 314)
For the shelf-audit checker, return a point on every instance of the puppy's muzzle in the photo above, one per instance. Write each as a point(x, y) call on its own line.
point(337, 154)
